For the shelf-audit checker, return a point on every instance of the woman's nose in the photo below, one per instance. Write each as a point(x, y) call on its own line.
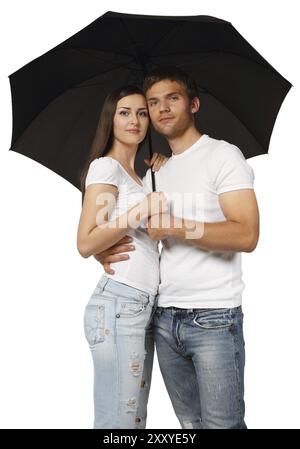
point(134, 119)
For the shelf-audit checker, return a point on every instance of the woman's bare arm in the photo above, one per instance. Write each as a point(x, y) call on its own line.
point(95, 232)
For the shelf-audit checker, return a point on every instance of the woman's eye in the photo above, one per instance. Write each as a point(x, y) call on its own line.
point(144, 114)
point(123, 112)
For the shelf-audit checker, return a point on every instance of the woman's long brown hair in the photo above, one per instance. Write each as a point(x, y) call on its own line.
point(104, 136)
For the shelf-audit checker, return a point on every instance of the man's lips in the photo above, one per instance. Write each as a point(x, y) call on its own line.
point(164, 119)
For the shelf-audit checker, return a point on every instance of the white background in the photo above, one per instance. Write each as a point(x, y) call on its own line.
point(46, 367)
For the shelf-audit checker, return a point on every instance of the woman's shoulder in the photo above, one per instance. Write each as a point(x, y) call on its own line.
point(105, 161)
point(105, 164)
point(103, 169)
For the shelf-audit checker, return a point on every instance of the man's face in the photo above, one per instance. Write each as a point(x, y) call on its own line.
point(170, 109)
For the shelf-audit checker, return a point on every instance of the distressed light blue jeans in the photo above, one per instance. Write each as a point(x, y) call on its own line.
point(201, 357)
point(117, 325)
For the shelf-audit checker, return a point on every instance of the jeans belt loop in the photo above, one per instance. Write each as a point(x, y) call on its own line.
point(103, 283)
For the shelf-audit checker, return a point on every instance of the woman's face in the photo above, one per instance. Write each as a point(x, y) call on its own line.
point(131, 119)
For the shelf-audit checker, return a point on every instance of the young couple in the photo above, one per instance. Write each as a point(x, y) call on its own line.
point(188, 298)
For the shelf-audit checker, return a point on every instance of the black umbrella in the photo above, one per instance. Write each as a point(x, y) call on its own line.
point(57, 98)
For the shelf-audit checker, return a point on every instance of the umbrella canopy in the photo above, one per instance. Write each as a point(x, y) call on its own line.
point(57, 98)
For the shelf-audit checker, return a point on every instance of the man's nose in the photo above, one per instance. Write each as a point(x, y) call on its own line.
point(164, 107)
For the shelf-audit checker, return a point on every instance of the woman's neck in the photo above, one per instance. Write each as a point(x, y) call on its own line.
point(125, 155)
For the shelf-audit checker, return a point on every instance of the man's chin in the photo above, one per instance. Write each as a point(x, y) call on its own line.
point(166, 131)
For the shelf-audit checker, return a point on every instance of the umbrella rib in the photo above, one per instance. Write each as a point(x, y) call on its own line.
point(178, 25)
point(205, 90)
point(128, 33)
point(214, 52)
point(98, 73)
point(85, 52)
point(56, 96)
point(238, 118)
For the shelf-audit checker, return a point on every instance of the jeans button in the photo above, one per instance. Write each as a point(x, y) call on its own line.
point(118, 315)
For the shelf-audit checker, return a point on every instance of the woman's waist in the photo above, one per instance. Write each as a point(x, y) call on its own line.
point(143, 242)
point(139, 271)
point(139, 259)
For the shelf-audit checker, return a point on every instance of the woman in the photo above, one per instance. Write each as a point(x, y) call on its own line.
point(115, 203)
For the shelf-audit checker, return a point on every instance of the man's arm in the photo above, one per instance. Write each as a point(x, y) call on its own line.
point(115, 253)
point(239, 232)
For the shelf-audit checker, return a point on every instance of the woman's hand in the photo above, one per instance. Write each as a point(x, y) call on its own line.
point(157, 161)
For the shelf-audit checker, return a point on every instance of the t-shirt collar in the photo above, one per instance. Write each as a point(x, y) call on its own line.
point(195, 145)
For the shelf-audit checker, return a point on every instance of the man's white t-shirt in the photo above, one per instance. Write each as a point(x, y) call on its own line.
point(191, 277)
point(141, 270)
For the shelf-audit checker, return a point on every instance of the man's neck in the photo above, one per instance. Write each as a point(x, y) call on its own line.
point(181, 143)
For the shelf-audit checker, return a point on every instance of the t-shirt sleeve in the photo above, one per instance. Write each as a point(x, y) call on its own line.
point(103, 171)
point(231, 170)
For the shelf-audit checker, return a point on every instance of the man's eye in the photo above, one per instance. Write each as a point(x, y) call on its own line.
point(174, 98)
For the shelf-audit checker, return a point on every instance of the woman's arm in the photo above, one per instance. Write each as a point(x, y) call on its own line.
point(95, 232)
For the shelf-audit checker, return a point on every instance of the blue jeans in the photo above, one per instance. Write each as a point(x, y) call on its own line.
point(115, 322)
point(201, 357)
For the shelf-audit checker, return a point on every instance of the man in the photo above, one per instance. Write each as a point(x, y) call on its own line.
point(198, 322)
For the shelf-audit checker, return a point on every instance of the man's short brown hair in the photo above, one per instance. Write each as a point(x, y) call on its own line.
point(172, 74)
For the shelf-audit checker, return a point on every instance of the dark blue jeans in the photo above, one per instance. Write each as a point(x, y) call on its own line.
point(201, 357)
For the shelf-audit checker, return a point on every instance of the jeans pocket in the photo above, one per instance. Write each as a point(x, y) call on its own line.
point(133, 308)
point(94, 318)
point(214, 319)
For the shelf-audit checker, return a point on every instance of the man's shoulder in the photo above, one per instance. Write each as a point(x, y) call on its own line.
point(220, 148)
point(219, 143)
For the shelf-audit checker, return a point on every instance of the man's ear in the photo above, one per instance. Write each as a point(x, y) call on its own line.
point(195, 105)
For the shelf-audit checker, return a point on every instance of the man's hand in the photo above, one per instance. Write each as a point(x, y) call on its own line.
point(159, 225)
point(114, 253)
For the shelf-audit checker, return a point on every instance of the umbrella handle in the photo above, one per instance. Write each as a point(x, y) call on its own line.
point(142, 60)
point(153, 181)
point(151, 154)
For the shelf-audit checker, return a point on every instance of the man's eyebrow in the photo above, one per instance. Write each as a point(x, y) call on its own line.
point(124, 107)
point(167, 95)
